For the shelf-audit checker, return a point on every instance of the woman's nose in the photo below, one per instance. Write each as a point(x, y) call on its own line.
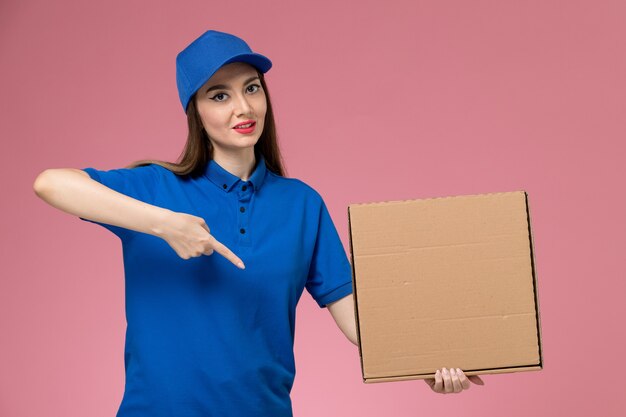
point(242, 106)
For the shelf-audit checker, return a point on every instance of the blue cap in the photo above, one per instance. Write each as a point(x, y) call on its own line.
point(204, 56)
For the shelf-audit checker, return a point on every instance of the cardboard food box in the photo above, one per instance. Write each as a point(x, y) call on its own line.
point(445, 282)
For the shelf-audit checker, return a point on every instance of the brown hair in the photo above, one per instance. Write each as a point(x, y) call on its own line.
point(199, 150)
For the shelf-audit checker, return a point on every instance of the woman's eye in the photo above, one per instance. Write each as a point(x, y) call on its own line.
point(224, 94)
point(217, 95)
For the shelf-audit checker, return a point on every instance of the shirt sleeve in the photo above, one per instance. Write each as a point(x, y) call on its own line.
point(139, 183)
point(330, 272)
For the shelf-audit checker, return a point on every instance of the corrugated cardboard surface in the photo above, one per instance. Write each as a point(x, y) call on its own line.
point(445, 282)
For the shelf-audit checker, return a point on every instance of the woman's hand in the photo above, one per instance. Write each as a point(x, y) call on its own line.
point(190, 237)
point(453, 381)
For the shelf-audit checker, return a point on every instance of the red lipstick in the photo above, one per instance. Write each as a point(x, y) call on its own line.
point(245, 130)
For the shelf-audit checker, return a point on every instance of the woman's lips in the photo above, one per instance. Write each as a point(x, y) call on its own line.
point(247, 129)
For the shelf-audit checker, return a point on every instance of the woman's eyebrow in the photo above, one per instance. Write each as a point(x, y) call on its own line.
point(225, 87)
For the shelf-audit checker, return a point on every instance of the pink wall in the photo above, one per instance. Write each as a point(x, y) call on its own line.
point(374, 101)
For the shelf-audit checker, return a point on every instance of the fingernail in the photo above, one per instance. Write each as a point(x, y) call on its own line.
point(241, 265)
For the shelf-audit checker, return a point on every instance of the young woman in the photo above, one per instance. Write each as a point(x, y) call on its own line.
point(213, 335)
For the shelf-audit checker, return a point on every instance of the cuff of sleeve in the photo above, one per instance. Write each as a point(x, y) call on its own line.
point(336, 294)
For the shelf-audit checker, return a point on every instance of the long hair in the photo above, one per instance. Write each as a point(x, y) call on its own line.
point(199, 150)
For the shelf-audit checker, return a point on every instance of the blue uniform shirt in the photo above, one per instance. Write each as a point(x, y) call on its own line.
point(204, 337)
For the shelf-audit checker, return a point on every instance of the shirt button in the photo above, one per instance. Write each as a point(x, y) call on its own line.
point(224, 186)
point(242, 209)
point(244, 188)
point(242, 231)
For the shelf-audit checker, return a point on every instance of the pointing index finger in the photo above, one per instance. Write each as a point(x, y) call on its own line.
point(228, 254)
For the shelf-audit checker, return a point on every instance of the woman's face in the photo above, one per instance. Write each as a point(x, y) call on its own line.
point(231, 96)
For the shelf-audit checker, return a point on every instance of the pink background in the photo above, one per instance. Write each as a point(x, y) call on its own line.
point(374, 101)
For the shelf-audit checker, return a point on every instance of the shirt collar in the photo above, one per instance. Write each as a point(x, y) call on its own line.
point(225, 181)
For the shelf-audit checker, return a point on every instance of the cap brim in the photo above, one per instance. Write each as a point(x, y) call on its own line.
point(261, 62)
